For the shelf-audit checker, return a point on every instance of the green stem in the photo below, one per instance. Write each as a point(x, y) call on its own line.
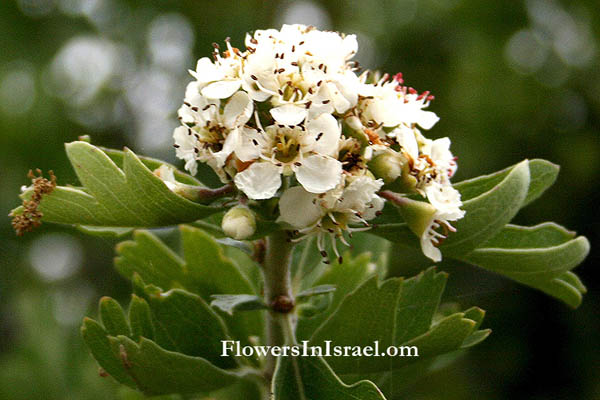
point(277, 292)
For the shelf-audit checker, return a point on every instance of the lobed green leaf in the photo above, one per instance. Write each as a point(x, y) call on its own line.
point(113, 197)
point(345, 277)
point(137, 361)
point(311, 378)
point(539, 256)
point(157, 371)
point(396, 312)
point(204, 270)
point(185, 323)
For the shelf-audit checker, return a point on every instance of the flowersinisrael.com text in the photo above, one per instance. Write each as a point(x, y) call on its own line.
point(328, 349)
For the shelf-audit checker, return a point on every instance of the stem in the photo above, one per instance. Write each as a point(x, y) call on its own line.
point(395, 198)
point(277, 291)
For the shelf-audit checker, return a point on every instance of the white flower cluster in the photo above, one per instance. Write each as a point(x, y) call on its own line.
point(289, 117)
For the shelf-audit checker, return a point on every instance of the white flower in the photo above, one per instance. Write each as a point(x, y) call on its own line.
point(384, 104)
point(221, 79)
point(306, 152)
point(333, 213)
point(431, 163)
point(356, 203)
point(298, 67)
point(432, 238)
point(209, 135)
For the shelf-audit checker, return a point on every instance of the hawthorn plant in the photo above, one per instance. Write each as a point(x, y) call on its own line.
point(311, 153)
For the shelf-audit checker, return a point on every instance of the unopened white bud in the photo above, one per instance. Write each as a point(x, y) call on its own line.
point(239, 223)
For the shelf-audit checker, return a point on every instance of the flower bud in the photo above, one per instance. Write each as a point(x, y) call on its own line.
point(239, 223)
point(406, 182)
point(417, 214)
point(386, 166)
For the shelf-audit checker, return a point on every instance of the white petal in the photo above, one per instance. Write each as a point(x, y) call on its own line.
point(446, 199)
point(406, 138)
point(289, 114)
point(206, 71)
point(318, 173)
point(426, 119)
point(229, 146)
point(192, 91)
point(350, 45)
point(250, 145)
point(348, 86)
point(238, 110)
point(327, 130)
point(440, 150)
point(183, 140)
point(360, 192)
point(377, 204)
point(221, 89)
point(339, 101)
point(429, 249)
point(296, 208)
point(259, 181)
point(191, 166)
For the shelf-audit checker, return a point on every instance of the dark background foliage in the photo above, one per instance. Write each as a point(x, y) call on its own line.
point(512, 80)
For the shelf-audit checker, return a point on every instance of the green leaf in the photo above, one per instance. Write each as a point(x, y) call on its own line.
point(475, 314)
point(447, 335)
point(542, 175)
point(150, 258)
point(209, 271)
point(488, 189)
point(140, 318)
point(184, 323)
point(345, 277)
point(487, 213)
point(204, 270)
point(113, 317)
point(237, 302)
point(113, 197)
point(304, 378)
point(417, 304)
point(105, 231)
point(315, 291)
point(476, 338)
point(244, 389)
point(540, 256)
point(139, 362)
point(118, 157)
point(96, 338)
point(395, 312)
point(157, 371)
point(489, 203)
point(526, 237)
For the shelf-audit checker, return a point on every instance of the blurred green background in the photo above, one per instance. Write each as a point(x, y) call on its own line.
point(512, 80)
